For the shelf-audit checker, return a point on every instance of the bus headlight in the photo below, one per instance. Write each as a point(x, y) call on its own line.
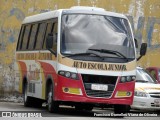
point(68, 74)
point(123, 79)
point(74, 76)
point(127, 79)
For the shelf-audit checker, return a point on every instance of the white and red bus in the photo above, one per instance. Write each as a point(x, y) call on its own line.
point(82, 56)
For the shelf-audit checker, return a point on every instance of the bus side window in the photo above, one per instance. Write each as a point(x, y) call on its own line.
point(48, 30)
point(20, 38)
point(40, 36)
point(26, 37)
point(33, 36)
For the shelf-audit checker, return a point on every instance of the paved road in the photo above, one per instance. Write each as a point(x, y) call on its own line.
point(68, 113)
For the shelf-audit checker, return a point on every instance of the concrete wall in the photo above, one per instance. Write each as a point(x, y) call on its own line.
point(143, 14)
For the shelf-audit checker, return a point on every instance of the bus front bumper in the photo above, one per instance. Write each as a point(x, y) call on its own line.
point(73, 91)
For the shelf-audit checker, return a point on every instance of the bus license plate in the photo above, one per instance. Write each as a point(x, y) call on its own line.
point(99, 87)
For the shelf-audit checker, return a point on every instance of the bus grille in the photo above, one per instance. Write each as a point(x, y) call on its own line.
point(88, 80)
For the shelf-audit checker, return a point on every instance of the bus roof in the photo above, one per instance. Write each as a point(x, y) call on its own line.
point(75, 9)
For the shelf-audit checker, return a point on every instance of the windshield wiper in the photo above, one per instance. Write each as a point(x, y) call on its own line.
point(110, 52)
point(87, 53)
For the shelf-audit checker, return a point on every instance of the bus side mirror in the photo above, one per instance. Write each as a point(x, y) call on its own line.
point(143, 49)
point(49, 43)
point(136, 42)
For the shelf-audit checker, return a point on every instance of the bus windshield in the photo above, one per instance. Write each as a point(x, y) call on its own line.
point(98, 33)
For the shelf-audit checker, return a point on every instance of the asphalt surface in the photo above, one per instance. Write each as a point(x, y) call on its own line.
point(17, 110)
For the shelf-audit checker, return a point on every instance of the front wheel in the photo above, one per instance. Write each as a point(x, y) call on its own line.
point(52, 106)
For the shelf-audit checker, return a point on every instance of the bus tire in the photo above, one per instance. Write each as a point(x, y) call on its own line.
point(52, 105)
point(30, 101)
point(27, 100)
point(118, 109)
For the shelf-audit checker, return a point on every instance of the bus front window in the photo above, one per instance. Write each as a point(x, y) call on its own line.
point(82, 32)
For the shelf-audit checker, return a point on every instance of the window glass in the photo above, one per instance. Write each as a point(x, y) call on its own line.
point(81, 32)
point(33, 36)
point(52, 27)
point(49, 30)
point(25, 37)
point(20, 38)
point(40, 36)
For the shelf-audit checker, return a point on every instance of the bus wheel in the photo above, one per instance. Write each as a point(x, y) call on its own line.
point(52, 106)
point(27, 100)
point(118, 109)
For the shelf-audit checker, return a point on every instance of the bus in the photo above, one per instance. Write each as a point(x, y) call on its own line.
point(81, 56)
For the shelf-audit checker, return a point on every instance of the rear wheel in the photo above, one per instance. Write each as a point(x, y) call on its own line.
point(27, 100)
point(52, 106)
point(30, 101)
